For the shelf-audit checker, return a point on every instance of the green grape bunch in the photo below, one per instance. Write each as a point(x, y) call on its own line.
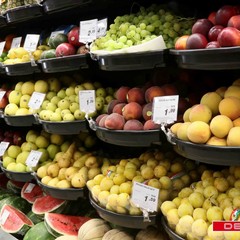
point(137, 28)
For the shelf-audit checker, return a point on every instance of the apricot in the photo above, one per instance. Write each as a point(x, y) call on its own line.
point(198, 132)
point(215, 141)
point(133, 124)
point(151, 125)
point(212, 100)
point(233, 137)
point(186, 115)
point(132, 110)
point(232, 91)
point(114, 121)
point(151, 92)
point(221, 91)
point(182, 131)
point(175, 127)
point(121, 94)
point(200, 112)
point(220, 126)
point(136, 95)
point(236, 122)
point(230, 107)
point(118, 108)
point(147, 111)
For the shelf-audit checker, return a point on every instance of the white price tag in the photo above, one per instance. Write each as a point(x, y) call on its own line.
point(2, 93)
point(31, 42)
point(2, 45)
point(88, 31)
point(36, 100)
point(87, 101)
point(145, 197)
point(29, 188)
point(101, 27)
point(4, 216)
point(3, 147)
point(165, 109)
point(16, 42)
point(33, 158)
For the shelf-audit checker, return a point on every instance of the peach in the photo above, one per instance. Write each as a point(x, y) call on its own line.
point(132, 110)
point(121, 94)
point(175, 127)
point(221, 91)
point(220, 126)
point(198, 132)
point(233, 137)
point(136, 95)
point(99, 117)
point(114, 121)
point(133, 124)
point(200, 112)
point(151, 92)
point(102, 121)
point(118, 108)
point(236, 122)
point(212, 100)
point(151, 125)
point(182, 131)
point(111, 105)
point(215, 141)
point(232, 91)
point(169, 89)
point(186, 115)
point(147, 111)
point(181, 42)
point(230, 107)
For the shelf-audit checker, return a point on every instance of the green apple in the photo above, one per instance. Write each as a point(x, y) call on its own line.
point(97, 85)
point(18, 86)
point(45, 134)
point(108, 98)
point(11, 166)
point(29, 146)
point(45, 155)
point(110, 91)
point(90, 141)
point(22, 157)
point(79, 88)
point(88, 86)
point(70, 91)
point(104, 109)
point(22, 112)
point(24, 101)
point(68, 117)
point(64, 104)
point(64, 146)
point(53, 149)
point(55, 100)
point(27, 88)
point(93, 114)
point(72, 98)
point(13, 151)
point(42, 142)
point(14, 97)
point(79, 115)
point(73, 107)
point(65, 111)
point(56, 117)
point(44, 104)
point(20, 167)
point(100, 99)
point(7, 160)
point(31, 136)
point(46, 115)
point(41, 86)
point(51, 106)
point(56, 139)
point(54, 84)
point(99, 105)
point(101, 92)
point(50, 95)
point(61, 93)
point(11, 109)
point(77, 99)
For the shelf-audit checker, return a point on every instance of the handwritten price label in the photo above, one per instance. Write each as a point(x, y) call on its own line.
point(33, 158)
point(87, 101)
point(36, 100)
point(165, 109)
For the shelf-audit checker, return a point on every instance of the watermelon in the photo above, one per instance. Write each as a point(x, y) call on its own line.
point(38, 232)
point(14, 220)
point(17, 202)
point(35, 218)
point(15, 186)
point(57, 39)
point(31, 192)
point(60, 224)
point(48, 203)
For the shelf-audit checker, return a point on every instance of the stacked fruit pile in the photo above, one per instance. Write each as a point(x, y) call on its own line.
point(215, 120)
point(214, 198)
point(112, 188)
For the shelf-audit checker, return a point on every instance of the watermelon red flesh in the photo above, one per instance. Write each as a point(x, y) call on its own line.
point(36, 192)
point(16, 220)
point(46, 204)
point(60, 224)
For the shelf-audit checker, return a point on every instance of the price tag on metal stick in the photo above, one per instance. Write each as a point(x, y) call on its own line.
point(36, 100)
point(101, 27)
point(87, 101)
point(16, 42)
point(165, 109)
point(88, 31)
point(2, 45)
point(31, 42)
point(145, 197)
point(3, 147)
point(33, 158)
point(2, 93)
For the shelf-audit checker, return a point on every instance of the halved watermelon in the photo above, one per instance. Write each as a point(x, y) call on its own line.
point(31, 192)
point(60, 224)
point(14, 220)
point(47, 204)
point(34, 217)
point(15, 186)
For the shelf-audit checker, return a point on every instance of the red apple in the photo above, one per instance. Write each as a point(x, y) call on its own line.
point(211, 17)
point(196, 41)
point(213, 44)
point(234, 21)
point(65, 49)
point(202, 26)
point(8, 139)
point(17, 138)
point(3, 102)
point(229, 37)
point(214, 31)
point(224, 14)
point(8, 133)
point(73, 37)
point(180, 44)
point(169, 89)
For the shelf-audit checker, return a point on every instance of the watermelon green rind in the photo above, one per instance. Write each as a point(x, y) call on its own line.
point(35, 218)
point(17, 222)
point(60, 224)
point(38, 232)
point(57, 39)
point(35, 193)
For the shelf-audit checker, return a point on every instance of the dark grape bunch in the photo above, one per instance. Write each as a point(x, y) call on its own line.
point(145, 25)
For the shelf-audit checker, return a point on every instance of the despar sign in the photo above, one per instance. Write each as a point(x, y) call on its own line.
point(226, 225)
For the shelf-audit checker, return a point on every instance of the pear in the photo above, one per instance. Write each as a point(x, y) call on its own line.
point(53, 170)
point(70, 172)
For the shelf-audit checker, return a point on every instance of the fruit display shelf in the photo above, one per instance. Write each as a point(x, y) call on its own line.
point(24, 13)
point(20, 121)
point(215, 155)
point(171, 234)
point(64, 127)
point(3, 21)
point(62, 193)
point(20, 69)
point(224, 58)
point(141, 138)
point(123, 220)
point(132, 61)
point(63, 64)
